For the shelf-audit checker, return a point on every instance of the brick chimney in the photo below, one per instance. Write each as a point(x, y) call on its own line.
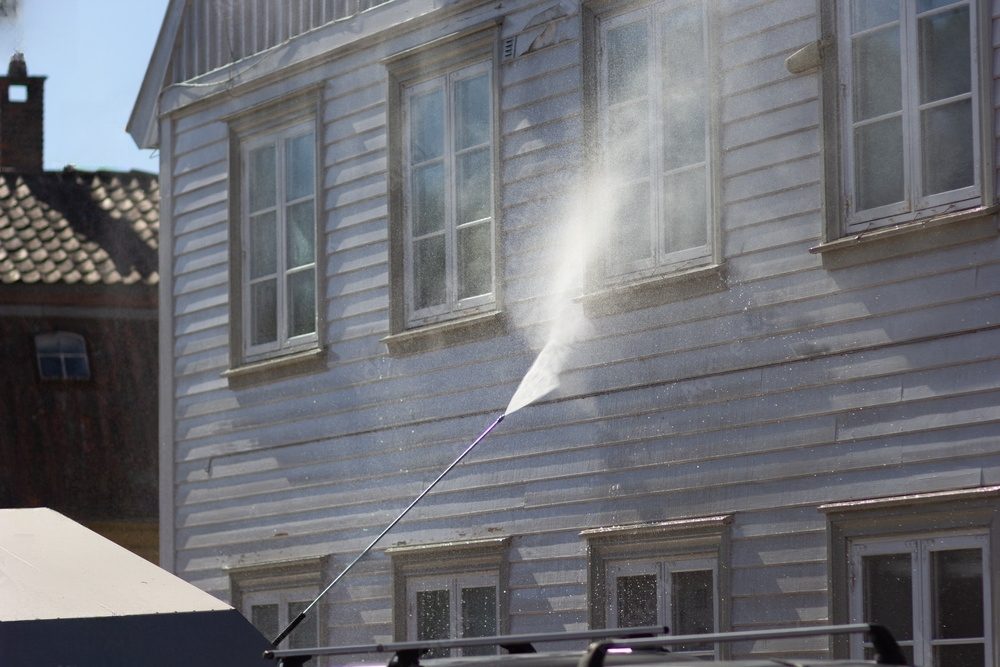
point(22, 105)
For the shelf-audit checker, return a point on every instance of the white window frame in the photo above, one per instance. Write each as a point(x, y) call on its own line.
point(70, 346)
point(453, 583)
point(283, 598)
point(663, 569)
point(919, 548)
point(914, 204)
point(284, 343)
point(662, 260)
point(453, 305)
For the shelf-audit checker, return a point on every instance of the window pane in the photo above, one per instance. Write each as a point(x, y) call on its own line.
point(301, 242)
point(684, 88)
point(472, 112)
point(627, 60)
point(692, 606)
point(686, 210)
point(957, 591)
point(263, 244)
point(948, 159)
point(877, 85)
point(262, 178)
point(630, 240)
point(943, 43)
point(426, 126)
point(305, 634)
point(301, 303)
point(76, 367)
point(926, 5)
point(264, 312)
point(50, 367)
point(878, 163)
point(473, 186)
point(887, 591)
point(475, 260)
point(428, 199)
point(963, 655)
point(637, 600)
point(265, 618)
point(300, 178)
point(870, 13)
point(627, 150)
point(479, 617)
point(428, 272)
point(433, 618)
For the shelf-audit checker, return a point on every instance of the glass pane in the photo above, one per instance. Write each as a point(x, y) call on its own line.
point(943, 44)
point(475, 260)
point(925, 5)
point(306, 634)
point(50, 367)
point(76, 367)
point(301, 303)
point(878, 163)
point(877, 84)
point(263, 244)
point(957, 591)
point(262, 178)
point(264, 312)
point(627, 150)
point(300, 177)
point(479, 616)
point(301, 242)
point(48, 343)
point(472, 112)
point(627, 60)
point(474, 186)
point(684, 88)
point(870, 13)
point(637, 600)
point(428, 199)
point(887, 593)
point(428, 272)
point(961, 655)
point(630, 240)
point(426, 126)
point(265, 618)
point(692, 606)
point(686, 210)
point(948, 157)
point(433, 619)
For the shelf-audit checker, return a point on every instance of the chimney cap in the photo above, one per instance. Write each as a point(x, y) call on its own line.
point(18, 68)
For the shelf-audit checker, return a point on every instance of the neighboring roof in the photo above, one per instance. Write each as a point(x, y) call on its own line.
point(75, 227)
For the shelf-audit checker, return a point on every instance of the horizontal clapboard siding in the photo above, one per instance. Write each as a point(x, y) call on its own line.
point(800, 383)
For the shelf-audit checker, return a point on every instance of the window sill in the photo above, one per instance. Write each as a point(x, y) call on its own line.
point(277, 368)
point(446, 334)
point(914, 236)
point(655, 291)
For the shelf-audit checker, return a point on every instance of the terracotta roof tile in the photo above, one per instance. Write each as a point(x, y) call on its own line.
point(74, 226)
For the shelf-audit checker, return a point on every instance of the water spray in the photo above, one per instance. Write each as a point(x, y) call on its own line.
point(302, 615)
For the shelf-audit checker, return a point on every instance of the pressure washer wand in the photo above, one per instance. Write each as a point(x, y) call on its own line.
point(298, 619)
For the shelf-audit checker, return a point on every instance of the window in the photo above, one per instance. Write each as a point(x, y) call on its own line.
point(443, 195)
point(62, 356)
point(930, 592)
point(272, 611)
point(654, 134)
point(279, 241)
point(921, 565)
point(450, 591)
point(672, 573)
point(911, 128)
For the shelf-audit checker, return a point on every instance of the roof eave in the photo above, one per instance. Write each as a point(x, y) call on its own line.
point(143, 123)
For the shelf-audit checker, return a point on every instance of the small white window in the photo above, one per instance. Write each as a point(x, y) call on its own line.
point(452, 606)
point(910, 107)
point(279, 246)
point(270, 611)
point(931, 592)
point(679, 593)
point(654, 108)
point(448, 148)
point(62, 356)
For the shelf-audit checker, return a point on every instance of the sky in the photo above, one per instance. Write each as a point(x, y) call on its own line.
point(94, 53)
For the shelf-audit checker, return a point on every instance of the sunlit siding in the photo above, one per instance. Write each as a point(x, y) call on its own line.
point(798, 384)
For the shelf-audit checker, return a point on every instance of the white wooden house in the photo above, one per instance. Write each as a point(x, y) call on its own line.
point(784, 408)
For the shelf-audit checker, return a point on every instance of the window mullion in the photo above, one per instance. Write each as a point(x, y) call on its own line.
point(920, 575)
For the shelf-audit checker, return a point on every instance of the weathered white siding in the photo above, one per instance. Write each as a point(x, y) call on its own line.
point(800, 383)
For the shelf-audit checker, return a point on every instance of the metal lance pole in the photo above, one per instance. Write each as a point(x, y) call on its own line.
point(298, 619)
